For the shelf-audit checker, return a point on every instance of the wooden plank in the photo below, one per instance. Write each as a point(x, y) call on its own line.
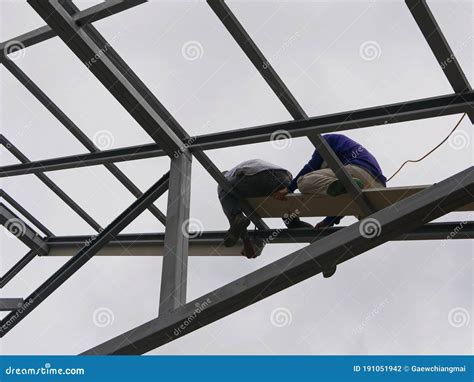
point(306, 205)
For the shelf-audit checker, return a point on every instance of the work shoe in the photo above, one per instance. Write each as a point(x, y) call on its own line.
point(237, 228)
point(336, 188)
point(328, 272)
point(248, 251)
point(297, 223)
point(322, 225)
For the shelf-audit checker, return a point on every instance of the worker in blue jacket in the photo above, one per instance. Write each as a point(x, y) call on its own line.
point(317, 179)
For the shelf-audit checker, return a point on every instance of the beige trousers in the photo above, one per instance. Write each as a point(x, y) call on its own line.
point(317, 182)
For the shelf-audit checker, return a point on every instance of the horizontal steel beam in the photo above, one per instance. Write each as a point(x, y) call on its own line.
point(209, 243)
point(89, 249)
point(374, 116)
point(440, 47)
point(94, 13)
point(9, 304)
point(385, 225)
point(21, 230)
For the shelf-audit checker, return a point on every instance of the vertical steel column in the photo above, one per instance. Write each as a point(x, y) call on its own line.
point(175, 257)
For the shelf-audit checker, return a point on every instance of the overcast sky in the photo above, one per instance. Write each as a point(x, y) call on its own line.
point(402, 297)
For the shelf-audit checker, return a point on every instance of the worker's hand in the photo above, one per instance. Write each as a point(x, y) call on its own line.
point(281, 194)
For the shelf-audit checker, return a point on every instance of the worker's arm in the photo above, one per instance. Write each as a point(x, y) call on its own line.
point(314, 164)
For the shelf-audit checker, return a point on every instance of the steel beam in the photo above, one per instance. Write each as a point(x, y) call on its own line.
point(51, 185)
point(375, 116)
point(13, 271)
point(9, 304)
point(90, 248)
point(25, 213)
point(265, 68)
point(400, 218)
point(209, 243)
point(21, 230)
point(440, 47)
point(175, 256)
point(94, 13)
point(75, 131)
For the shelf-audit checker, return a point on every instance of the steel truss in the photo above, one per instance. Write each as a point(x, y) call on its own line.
point(408, 219)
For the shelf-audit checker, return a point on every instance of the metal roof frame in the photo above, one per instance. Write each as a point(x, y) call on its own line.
point(405, 220)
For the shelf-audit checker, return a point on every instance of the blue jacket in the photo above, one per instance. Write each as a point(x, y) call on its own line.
point(349, 152)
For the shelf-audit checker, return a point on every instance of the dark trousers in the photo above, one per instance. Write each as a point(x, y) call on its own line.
point(264, 183)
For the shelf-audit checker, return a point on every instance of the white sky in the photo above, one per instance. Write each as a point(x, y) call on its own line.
point(395, 299)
